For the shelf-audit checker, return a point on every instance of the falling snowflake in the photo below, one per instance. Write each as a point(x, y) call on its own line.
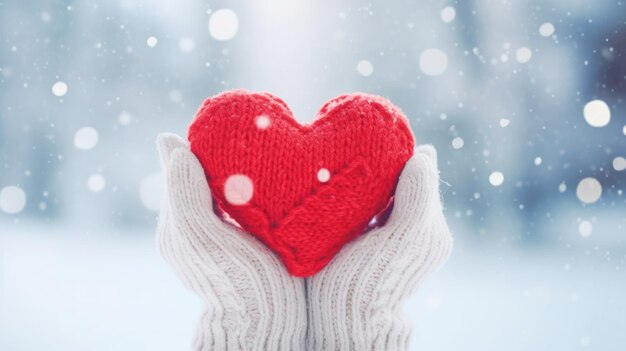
point(589, 190)
point(238, 189)
point(496, 178)
point(86, 138)
point(59, 89)
point(12, 199)
point(152, 41)
point(597, 113)
point(223, 24)
point(433, 62)
point(323, 175)
point(365, 68)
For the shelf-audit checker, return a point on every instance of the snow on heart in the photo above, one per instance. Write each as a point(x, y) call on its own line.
point(238, 188)
point(304, 190)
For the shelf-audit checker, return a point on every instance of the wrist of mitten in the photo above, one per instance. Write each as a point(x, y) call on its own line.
point(221, 330)
point(235, 319)
point(257, 308)
point(215, 331)
point(233, 325)
point(378, 329)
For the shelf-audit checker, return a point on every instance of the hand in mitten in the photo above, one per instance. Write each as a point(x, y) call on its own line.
point(251, 302)
point(355, 302)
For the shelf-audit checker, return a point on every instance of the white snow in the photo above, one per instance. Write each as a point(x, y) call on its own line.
point(86, 138)
point(323, 175)
point(619, 163)
point(433, 62)
point(538, 161)
point(105, 291)
point(152, 41)
point(546, 29)
point(589, 190)
point(96, 182)
point(262, 122)
point(496, 178)
point(223, 24)
point(504, 122)
point(59, 88)
point(585, 228)
point(597, 113)
point(448, 14)
point(457, 143)
point(523, 55)
point(12, 199)
point(365, 68)
point(238, 189)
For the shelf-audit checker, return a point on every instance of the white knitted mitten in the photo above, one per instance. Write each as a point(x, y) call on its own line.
point(355, 302)
point(252, 303)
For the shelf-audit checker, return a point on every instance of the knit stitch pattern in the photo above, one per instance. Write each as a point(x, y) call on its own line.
point(251, 301)
point(304, 190)
point(355, 303)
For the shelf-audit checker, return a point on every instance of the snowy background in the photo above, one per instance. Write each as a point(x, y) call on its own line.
point(524, 101)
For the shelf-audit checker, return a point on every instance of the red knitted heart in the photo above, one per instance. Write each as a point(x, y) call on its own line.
point(304, 190)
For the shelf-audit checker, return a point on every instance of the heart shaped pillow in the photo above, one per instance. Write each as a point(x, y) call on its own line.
point(304, 190)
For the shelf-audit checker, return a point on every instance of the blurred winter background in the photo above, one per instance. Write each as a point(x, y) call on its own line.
point(524, 100)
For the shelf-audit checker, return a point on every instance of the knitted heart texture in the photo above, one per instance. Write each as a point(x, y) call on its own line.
point(303, 190)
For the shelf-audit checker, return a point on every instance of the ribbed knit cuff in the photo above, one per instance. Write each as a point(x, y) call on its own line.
point(390, 333)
